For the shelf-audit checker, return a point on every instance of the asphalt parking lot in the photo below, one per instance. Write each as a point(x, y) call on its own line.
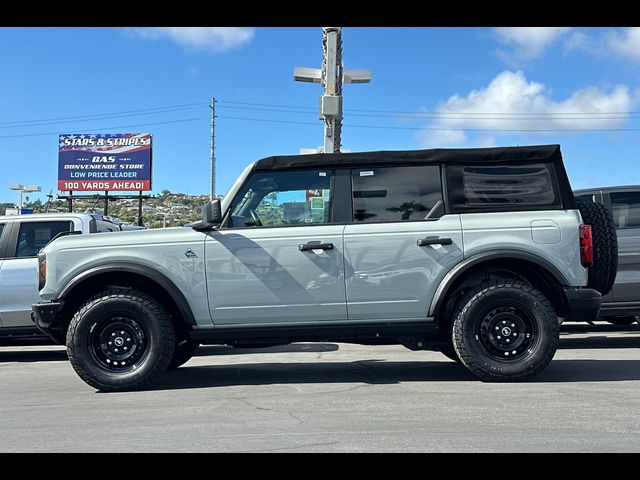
point(331, 398)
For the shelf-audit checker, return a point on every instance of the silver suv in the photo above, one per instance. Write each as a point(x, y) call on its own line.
point(21, 237)
point(475, 252)
point(622, 305)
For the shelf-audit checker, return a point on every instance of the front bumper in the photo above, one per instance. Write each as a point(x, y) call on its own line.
point(45, 315)
point(583, 304)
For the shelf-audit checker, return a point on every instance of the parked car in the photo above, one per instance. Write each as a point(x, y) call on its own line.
point(475, 252)
point(622, 305)
point(21, 237)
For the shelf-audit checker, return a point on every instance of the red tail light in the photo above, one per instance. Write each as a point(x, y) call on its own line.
point(586, 246)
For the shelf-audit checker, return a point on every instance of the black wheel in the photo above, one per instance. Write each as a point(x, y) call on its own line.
point(183, 352)
point(602, 274)
point(120, 339)
point(621, 320)
point(450, 352)
point(505, 330)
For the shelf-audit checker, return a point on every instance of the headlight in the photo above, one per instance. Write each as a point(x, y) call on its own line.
point(42, 270)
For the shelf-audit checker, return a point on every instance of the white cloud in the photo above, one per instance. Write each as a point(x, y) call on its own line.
point(625, 43)
point(511, 102)
point(211, 39)
point(527, 42)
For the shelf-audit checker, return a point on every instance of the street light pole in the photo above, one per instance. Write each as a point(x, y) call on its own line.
point(22, 188)
point(212, 152)
point(332, 76)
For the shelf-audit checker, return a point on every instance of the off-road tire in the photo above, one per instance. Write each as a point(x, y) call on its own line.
point(474, 316)
point(602, 274)
point(102, 311)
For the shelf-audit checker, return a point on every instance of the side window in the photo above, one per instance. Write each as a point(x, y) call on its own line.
point(35, 235)
point(508, 185)
point(1, 229)
point(626, 209)
point(396, 194)
point(276, 199)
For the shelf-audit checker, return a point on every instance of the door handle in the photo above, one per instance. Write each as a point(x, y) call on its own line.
point(303, 247)
point(434, 241)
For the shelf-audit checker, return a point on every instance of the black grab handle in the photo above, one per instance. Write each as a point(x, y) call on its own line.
point(434, 241)
point(303, 247)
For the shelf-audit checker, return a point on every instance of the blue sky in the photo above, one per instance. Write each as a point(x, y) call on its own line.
point(450, 82)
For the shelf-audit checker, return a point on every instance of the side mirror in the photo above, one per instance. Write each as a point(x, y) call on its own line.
point(212, 213)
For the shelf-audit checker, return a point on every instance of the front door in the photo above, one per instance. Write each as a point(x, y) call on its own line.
point(400, 243)
point(278, 259)
point(19, 271)
point(626, 215)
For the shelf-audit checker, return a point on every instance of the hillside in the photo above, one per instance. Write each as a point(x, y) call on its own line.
point(176, 208)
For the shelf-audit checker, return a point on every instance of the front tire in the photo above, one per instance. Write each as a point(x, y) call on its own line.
point(120, 339)
point(505, 331)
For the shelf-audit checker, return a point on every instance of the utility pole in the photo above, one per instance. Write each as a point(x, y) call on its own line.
point(331, 76)
point(212, 190)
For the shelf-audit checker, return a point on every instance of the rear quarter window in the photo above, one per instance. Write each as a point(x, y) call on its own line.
point(502, 187)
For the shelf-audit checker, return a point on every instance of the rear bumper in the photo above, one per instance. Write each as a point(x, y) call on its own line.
point(45, 315)
point(583, 304)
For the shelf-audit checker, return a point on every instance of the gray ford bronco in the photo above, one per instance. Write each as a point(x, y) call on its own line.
point(478, 253)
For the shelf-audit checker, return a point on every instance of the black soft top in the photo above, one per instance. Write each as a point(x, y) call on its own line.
point(528, 154)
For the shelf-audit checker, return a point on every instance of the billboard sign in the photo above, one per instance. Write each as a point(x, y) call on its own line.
point(115, 162)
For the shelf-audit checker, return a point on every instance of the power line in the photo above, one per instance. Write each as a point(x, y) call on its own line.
point(279, 108)
point(596, 130)
point(420, 116)
point(420, 113)
point(388, 127)
point(150, 110)
point(105, 128)
point(93, 118)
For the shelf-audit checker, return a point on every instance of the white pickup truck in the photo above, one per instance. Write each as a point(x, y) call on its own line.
point(21, 237)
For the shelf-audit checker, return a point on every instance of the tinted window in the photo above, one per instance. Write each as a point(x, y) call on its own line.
point(35, 235)
point(626, 209)
point(1, 229)
point(274, 199)
point(395, 194)
point(518, 185)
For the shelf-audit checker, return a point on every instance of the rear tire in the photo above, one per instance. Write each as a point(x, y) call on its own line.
point(120, 339)
point(505, 331)
point(602, 274)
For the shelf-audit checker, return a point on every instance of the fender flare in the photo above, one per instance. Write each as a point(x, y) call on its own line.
point(472, 261)
point(147, 272)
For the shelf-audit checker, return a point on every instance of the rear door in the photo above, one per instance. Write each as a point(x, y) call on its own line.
point(399, 244)
point(19, 270)
point(625, 207)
